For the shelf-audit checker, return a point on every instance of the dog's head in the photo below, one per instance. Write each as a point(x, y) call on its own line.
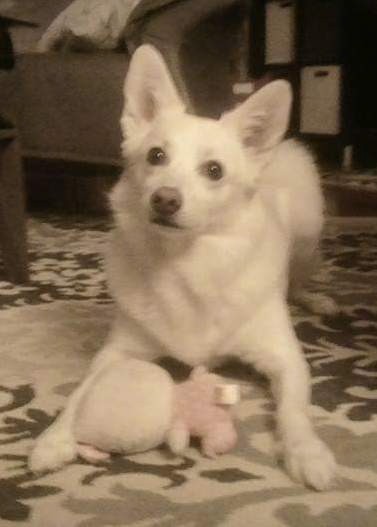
point(189, 174)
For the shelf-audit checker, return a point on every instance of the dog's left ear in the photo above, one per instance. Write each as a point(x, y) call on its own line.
point(262, 120)
point(148, 89)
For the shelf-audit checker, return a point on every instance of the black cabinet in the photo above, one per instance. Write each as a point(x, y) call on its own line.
point(321, 29)
point(328, 50)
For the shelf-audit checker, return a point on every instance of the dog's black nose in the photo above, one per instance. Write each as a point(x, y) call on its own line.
point(166, 201)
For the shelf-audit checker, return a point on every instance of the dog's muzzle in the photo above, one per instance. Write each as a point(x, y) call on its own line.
point(165, 202)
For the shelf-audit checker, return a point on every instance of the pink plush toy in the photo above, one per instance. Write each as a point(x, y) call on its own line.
point(201, 409)
point(135, 406)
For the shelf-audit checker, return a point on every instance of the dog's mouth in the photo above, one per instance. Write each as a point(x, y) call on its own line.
point(165, 222)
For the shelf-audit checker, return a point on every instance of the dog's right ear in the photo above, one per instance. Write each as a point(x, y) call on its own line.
point(148, 89)
point(262, 120)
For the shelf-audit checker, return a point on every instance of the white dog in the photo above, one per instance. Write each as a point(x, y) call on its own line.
point(210, 216)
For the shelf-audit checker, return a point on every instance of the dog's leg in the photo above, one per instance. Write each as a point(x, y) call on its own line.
point(276, 352)
point(306, 261)
point(57, 446)
point(317, 303)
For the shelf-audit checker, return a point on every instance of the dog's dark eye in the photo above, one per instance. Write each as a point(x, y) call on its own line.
point(214, 170)
point(156, 156)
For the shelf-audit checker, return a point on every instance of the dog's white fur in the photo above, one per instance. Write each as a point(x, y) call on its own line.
point(217, 286)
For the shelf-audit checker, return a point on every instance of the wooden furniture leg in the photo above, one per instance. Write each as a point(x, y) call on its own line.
point(12, 209)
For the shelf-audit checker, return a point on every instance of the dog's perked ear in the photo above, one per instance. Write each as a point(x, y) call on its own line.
point(262, 120)
point(148, 89)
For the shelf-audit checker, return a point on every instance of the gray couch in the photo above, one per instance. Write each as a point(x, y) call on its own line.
point(69, 103)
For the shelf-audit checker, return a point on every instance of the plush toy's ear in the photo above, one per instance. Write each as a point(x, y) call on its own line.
point(198, 372)
point(262, 120)
point(148, 89)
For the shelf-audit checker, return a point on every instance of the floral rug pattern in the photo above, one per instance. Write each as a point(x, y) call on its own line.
point(49, 330)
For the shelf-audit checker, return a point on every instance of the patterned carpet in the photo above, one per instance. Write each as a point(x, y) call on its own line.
point(50, 328)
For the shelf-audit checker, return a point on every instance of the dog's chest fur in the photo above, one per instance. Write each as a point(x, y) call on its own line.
point(194, 302)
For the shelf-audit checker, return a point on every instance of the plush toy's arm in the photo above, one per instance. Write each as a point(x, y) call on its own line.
point(92, 454)
point(178, 438)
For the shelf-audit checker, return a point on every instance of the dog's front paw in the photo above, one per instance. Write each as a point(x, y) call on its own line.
point(312, 463)
point(324, 305)
point(317, 303)
point(53, 449)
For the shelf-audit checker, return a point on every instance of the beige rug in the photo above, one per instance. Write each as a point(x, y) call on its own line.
point(48, 333)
